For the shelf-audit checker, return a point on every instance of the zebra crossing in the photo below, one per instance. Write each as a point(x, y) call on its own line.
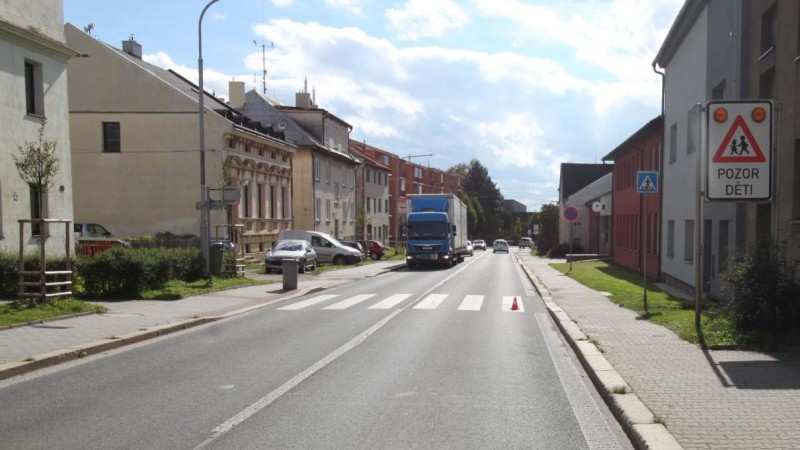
point(429, 302)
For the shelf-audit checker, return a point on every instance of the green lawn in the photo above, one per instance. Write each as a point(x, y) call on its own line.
point(175, 289)
point(673, 313)
point(14, 313)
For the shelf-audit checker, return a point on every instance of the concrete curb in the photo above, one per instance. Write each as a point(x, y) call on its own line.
point(41, 361)
point(632, 414)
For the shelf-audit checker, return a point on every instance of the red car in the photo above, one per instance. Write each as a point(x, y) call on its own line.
point(374, 249)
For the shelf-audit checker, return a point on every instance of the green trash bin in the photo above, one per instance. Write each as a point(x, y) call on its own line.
point(216, 252)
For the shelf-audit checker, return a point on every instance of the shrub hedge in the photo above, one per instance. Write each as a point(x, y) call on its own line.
point(120, 272)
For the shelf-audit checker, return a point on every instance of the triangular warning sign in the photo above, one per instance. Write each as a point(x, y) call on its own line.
point(647, 185)
point(739, 147)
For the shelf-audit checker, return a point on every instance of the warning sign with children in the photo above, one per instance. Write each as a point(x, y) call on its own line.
point(739, 143)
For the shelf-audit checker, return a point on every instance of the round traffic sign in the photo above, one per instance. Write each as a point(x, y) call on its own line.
point(571, 213)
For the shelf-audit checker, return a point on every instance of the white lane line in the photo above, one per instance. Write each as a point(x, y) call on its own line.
point(354, 300)
point(471, 303)
point(596, 430)
point(299, 378)
point(431, 302)
point(309, 302)
point(390, 302)
point(508, 301)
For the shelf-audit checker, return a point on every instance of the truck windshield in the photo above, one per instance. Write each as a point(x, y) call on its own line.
point(427, 230)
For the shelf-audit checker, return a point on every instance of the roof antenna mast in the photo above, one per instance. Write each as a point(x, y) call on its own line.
point(264, 64)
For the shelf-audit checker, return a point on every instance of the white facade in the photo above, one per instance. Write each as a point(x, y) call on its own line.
point(697, 58)
point(582, 201)
point(33, 87)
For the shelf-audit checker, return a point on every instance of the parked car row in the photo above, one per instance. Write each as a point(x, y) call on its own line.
point(312, 247)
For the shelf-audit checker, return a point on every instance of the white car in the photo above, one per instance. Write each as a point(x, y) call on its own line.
point(470, 251)
point(500, 245)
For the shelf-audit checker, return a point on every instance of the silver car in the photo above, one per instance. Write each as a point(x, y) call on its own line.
point(296, 249)
point(500, 245)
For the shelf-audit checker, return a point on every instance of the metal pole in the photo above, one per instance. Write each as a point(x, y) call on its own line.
point(571, 256)
point(205, 215)
point(644, 249)
point(698, 221)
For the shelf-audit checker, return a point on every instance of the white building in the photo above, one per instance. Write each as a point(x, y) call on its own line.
point(33, 88)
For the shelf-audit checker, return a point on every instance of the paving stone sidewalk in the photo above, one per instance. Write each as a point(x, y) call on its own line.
point(708, 399)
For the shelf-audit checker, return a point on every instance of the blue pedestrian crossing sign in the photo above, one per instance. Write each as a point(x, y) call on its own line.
point(647, 182)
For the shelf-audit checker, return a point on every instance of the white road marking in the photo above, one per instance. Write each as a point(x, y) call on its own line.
point(431, 302)
point(508, 302)
point(471, 303)
point(309, 302)
point(356, 299)
point(390, 302)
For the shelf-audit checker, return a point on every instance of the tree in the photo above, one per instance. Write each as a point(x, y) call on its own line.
point(483, 191)
point(548, 228)
point(38, 165)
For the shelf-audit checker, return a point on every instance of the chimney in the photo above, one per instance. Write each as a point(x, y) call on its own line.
point(303, 99)
point(236, 94)
point(132, 47)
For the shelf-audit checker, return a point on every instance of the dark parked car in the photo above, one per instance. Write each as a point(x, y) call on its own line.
point(296, 249)
point(374, 249)
point(355, 245)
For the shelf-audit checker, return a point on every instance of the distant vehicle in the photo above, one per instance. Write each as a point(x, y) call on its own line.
point(90, 230)
point(374, 249)
point(500, 245)
point(437, 230)
point(525, 242)
point(355, 245)
point(328, 248)
point(296, 249)
point(470, 251)
point(479, 244)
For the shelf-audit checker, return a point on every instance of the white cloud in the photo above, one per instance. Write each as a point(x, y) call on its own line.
point(282, 3)
point(419, 19)
point(218, 16)
point(352, 6)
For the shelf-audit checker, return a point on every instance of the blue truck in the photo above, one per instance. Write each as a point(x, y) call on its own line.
point(436, 230)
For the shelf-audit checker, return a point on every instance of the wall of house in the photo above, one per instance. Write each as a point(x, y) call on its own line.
point(304, 191)
point(377, 189)
point(19, 45)
point(679, 166)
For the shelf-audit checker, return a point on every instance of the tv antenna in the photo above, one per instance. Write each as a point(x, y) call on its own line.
point(264, 64)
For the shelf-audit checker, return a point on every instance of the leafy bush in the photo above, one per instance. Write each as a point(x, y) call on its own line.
point(123, 272)
point(561, 250)
point(760, 289)
point(9, 270)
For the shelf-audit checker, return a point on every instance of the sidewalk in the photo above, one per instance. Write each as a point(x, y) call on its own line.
point(725, 399)
point(27, 348)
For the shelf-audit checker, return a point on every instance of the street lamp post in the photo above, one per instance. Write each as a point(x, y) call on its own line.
point(397, 200)
point(205, 214)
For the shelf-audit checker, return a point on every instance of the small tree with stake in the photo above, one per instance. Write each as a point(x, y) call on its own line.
point(38, 166)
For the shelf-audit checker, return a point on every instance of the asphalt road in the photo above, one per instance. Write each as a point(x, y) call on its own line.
point(422, 359)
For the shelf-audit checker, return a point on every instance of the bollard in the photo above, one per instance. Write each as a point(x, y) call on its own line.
point(290, 274)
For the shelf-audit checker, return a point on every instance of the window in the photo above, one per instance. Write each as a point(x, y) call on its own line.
point(796, 182)
point(369, 177)
point(38, 210)
point(111, 137)
point(723, 244)
point(369, 204)
point(1, 211)
point(718, 93)
point(386, 205)
point(766, 84)
point(328, 171)
point(316, 171)
point(378, 204)
point(670, 238)
point(327, 210)
point(317, 209)
point(769, 29)
point(260, 200)
point(417, 172)
point(673, 143)
point(34, 89)
point(688, 240)
point(403, 185)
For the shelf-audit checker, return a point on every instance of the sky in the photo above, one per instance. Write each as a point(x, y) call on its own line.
point(520, 85)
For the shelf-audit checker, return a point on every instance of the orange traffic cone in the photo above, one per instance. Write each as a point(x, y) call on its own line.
point(514, 306)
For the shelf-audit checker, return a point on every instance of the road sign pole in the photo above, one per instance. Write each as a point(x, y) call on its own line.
point(644, 251)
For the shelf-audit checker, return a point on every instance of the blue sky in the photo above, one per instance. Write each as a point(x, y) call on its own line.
point(520, 85)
